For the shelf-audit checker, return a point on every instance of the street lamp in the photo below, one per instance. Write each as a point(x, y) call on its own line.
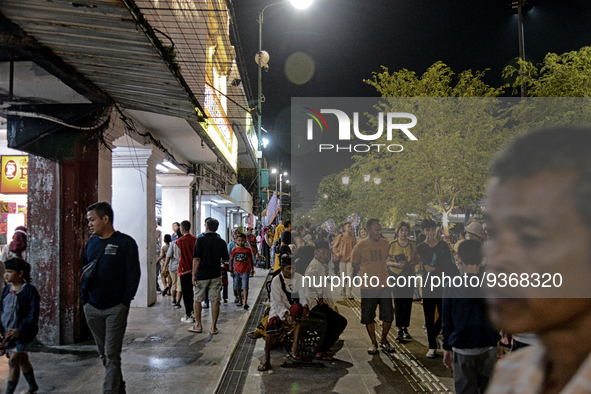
point(345, 179)
point(520, 7)
point(262, 58)
point(280, 191)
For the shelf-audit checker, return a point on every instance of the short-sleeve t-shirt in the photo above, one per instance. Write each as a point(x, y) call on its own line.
point(399, 253)
point(211, 250)
point(242, 259)
point(286, 237)
point(371, 258)
point(440, 258)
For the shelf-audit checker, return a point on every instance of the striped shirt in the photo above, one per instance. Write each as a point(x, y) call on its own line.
point(523, 373)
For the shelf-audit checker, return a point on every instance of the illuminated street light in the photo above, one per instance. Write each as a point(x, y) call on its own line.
point(345, 179)
point(265, 142)
point(301, 4)
point(285, 173)
point(273, 170)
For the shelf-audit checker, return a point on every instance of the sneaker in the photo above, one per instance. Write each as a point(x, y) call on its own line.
point(177, 306)
point(204, 305)
point(400, 336)
point(405, 333)
point(187, 319)
point(432, 353)
point(246, 306)
point(236, 300)
point(174, 303)
point(225, 301)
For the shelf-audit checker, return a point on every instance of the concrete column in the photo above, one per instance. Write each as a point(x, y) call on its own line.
point(177, 200)
point(58, 195)
point(134, 206)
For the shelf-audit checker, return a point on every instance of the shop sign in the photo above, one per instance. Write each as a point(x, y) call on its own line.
point(218, 127)
point(14, 174)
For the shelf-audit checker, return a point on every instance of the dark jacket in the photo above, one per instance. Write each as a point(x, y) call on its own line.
point(464, 321)
point(27, 313)
point(117, 274)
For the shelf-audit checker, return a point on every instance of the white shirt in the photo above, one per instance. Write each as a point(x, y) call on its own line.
point(279, 303)
point(316, 272)
point(175, 254)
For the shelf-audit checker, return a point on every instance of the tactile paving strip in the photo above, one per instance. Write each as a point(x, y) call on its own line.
point(416, 374)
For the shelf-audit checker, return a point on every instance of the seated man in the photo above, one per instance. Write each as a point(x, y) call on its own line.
point(289, 302)
point(321, 300)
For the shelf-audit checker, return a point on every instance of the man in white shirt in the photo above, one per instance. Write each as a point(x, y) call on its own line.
point(289, 302)
point(321, 299)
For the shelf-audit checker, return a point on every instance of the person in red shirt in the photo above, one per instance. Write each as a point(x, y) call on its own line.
point(186, 244)
point(241, 268)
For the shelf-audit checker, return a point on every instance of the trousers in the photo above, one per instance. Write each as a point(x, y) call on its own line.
point(472, 373)
point(335, 325)
point(187, 287)
point(432, 310)
point(108, 328)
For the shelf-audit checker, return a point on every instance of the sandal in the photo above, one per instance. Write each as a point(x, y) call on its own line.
point(373, 350)
point(324, 356)
point(264, 366)
point(254, 335)
point(294, 356)
point(387, 348)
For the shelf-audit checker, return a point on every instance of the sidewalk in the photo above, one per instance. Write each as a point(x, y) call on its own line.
point(355, 371)
point(159, 354)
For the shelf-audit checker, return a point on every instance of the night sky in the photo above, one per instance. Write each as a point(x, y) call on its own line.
point(348, 40)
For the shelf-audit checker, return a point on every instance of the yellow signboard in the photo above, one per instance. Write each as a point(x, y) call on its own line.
point(14, 174)
point(218, 127)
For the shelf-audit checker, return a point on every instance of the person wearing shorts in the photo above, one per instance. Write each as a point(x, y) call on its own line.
point(241, 268)
point(369, 257)
point(210, 251)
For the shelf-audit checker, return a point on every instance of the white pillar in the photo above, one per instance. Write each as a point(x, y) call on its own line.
point(176, 200)
point(134, 206)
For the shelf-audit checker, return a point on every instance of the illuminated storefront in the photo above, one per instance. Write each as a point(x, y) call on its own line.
point(13, 189)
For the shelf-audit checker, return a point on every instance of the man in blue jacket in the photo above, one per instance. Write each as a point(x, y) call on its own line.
point(468, 337)
point(107, 297)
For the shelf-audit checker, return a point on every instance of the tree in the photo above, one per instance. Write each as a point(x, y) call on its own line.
point(456, 138)
point(561, 86)
point(565, 75)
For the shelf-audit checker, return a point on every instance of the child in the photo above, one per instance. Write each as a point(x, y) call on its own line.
point(241, 268)
point(469, 340)
point(19, 321)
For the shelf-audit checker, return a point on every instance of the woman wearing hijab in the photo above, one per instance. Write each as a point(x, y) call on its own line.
point(16, 248)
point(278, 232)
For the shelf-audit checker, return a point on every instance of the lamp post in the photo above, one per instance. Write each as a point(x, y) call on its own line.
point(262, 58)
point(520, 7)
point(280, 191)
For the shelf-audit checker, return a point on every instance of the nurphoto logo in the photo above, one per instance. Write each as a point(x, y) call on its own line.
point(344, 132)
